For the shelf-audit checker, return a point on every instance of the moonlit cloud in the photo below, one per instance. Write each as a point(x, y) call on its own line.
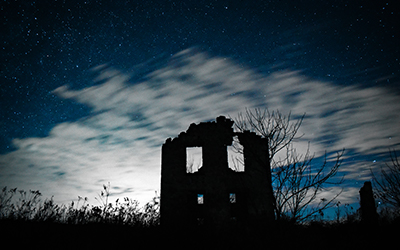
point(120, 141)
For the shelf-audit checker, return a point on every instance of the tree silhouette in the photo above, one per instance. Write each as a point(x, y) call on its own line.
point(297, 185)
point(278, 128)
point(387, 188)
point(296, 182)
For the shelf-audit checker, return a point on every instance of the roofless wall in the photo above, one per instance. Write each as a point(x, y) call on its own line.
point(215, 196)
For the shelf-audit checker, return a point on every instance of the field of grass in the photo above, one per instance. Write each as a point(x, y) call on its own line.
point(26, 221)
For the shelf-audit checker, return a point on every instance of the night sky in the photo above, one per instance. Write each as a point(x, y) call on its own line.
point(90, 90)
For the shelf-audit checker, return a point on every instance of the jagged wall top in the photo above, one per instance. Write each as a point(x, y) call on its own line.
point(203, 133)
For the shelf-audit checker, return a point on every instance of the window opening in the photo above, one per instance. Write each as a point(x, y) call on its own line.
point(200, 199)
point(194, 159)
point(232, 198)
point(235, 156)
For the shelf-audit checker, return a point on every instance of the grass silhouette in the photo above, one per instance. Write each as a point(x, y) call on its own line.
point(29, 207)
point(28, 221)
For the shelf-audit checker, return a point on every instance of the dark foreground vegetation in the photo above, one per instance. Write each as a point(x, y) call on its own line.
point(316, 235)
point(27, 221)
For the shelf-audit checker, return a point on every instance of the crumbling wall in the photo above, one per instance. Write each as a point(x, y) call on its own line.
point(215, 181)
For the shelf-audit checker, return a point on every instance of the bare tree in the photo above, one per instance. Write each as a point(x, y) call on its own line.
point(387, 188)
point(278, 128)
point(296, 182)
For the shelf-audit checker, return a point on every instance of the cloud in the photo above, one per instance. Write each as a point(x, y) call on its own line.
point(120, 141)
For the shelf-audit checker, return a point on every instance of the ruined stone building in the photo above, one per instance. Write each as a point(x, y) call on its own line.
point(215, 195)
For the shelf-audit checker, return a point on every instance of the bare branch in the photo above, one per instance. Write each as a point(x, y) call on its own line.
point(278, 128)
point(296, 182)
point(388, 187)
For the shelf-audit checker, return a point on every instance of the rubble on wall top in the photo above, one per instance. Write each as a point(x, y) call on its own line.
point(222, 127)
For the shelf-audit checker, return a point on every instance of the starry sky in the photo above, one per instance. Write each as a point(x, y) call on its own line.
point(90, 90)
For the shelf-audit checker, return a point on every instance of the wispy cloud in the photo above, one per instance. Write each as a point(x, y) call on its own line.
point(120, 141)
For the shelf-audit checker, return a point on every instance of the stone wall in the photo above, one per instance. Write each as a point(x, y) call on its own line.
point(215, 196)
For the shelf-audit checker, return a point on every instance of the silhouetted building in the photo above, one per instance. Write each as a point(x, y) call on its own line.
point(215, 196)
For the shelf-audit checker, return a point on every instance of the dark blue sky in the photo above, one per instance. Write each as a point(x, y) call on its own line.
point(344, 55)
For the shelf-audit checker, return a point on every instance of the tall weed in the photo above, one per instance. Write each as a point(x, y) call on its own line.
point(29, 207)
